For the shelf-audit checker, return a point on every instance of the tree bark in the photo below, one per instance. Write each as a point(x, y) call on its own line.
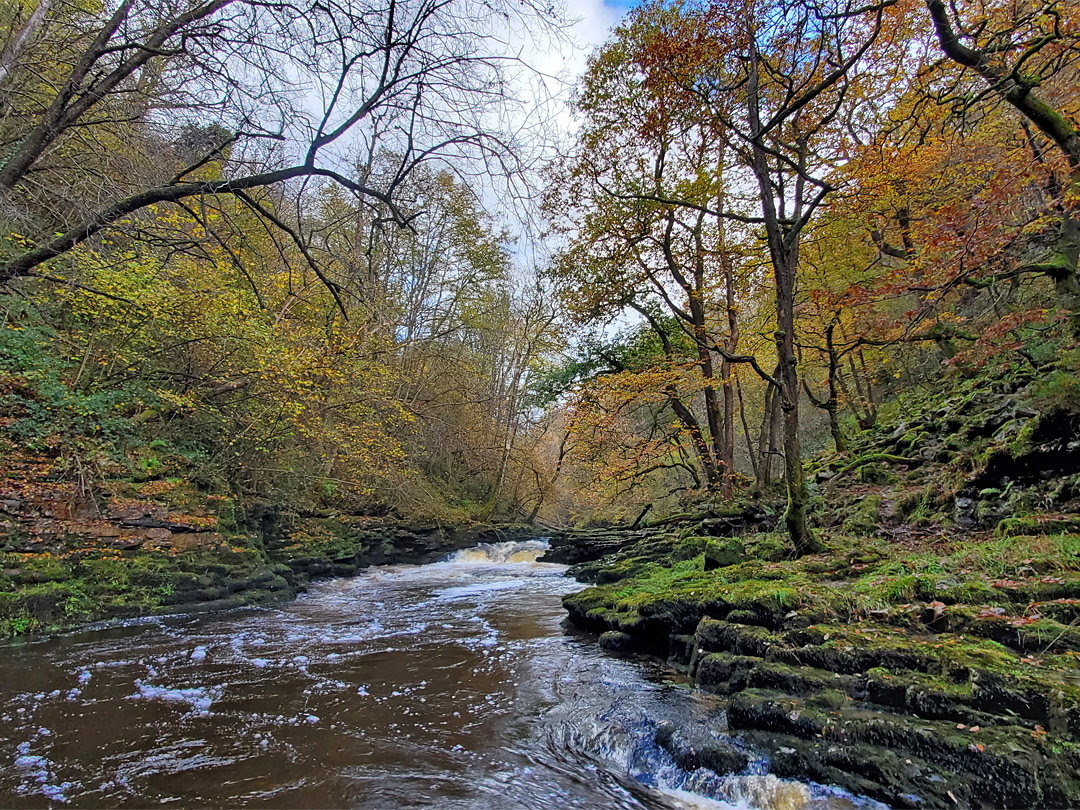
point(794, 479)
point(755, 458)
point(831, 405)
point(728, 451)
point(18, 44)
point(784, 253)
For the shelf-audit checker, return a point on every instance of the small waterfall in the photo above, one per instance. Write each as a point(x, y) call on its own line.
point(524, 551)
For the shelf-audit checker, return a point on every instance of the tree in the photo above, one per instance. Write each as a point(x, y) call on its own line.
point(644, 195)
point(296, 88)
point(631, 439)
point(1021, 51)
point(789, 76)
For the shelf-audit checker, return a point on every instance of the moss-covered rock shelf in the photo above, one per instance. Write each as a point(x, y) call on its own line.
point(861, 669)
point(46, 592)
point(930, 657)
point(69, 556)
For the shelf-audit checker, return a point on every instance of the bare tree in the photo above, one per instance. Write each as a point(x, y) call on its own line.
point(298, 90)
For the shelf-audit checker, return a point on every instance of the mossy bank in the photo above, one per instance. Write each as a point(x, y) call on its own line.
point(166, 546)
point(931, 656)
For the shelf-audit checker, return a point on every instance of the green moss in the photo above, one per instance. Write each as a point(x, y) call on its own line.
point(724, 552)
point(690, 547)
point(879, 591)
point(768, 546)
point(909, 502)
point(1038, 524)
point(51, 593)
point(876, 474)
point(1060, 388)
point(864, 520)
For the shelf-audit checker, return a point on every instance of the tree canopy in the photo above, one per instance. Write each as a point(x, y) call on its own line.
point(259, 243)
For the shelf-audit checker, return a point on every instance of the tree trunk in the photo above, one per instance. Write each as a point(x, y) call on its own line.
point(774, 417)
point(18, 43)
point(794, 479)
point(701, 446)
point(696, 295)
point(784, 255)
point(755, 458)
point(728, 452)
point(1065, 274)
point(831, 405)
point(712, 412)
point(763, 447)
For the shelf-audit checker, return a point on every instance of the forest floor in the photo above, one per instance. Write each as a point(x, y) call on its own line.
point(930, 656)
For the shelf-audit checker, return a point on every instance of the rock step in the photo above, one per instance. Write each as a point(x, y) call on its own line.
point(897, 779)
point(695, 746)
point(1004, 766)
point(964, 684)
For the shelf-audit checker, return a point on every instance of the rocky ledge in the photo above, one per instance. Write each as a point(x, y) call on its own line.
point(69, 556)
point(930, 657)
point(957, 687)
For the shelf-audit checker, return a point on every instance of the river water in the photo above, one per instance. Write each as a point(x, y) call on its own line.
point(449, 685)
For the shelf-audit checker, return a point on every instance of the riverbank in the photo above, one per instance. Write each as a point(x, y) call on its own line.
point(69, 557)
point(931, 656)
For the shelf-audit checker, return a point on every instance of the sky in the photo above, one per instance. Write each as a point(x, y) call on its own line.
point(562, 64)
point(597, 16)
point(594, 21)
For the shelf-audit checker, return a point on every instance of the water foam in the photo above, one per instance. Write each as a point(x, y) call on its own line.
point(199, 698)
point(510, 552)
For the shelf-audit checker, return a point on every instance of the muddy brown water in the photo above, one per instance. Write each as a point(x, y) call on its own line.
point(449, 685)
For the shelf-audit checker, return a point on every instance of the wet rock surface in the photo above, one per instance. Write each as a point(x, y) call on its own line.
point(911, 716)
point(589, 545)
point(695, 746)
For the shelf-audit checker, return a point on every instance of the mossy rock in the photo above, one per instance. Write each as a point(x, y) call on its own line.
point(139, 583)
point(720, 672)
point(1032, 525)
point(1006, 766)
point(865, 519)
point(877, 474)
point(768, 547)
point(695, 747)
point(724, 553)
point(721, 636)
point(690, 547)
point(616, 641)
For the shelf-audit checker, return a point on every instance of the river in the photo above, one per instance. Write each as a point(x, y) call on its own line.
point(449, 685)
